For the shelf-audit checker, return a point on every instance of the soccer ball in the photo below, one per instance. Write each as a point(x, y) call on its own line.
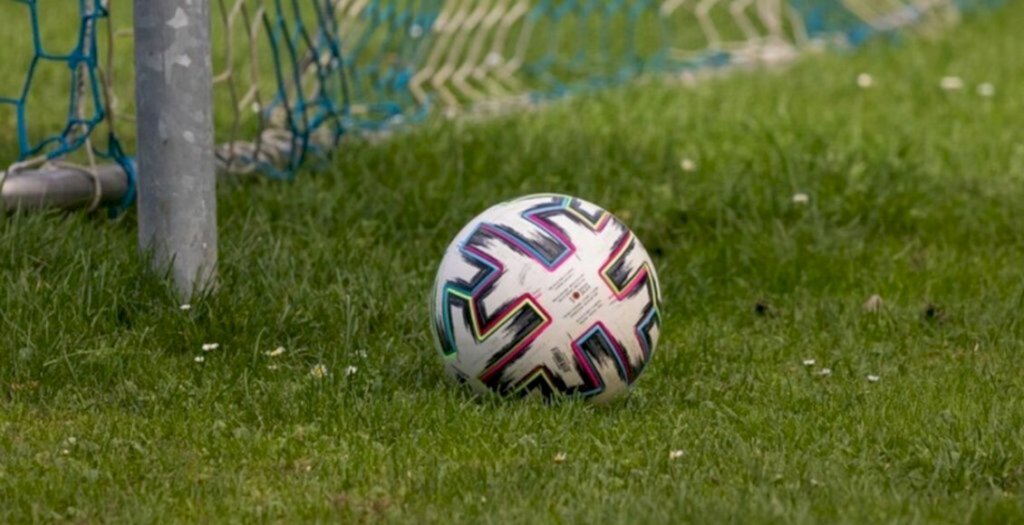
point(546, 294)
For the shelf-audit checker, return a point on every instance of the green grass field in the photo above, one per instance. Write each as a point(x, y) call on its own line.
point(915, 194)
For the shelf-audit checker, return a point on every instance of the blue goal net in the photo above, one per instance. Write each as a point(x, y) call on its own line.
point(293, 78)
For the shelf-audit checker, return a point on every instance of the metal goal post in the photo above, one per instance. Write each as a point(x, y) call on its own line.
point(177, 204)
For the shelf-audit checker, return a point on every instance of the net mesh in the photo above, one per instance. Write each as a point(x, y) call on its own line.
point(293, 77)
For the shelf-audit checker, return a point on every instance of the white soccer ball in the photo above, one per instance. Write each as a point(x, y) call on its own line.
point(546, 294)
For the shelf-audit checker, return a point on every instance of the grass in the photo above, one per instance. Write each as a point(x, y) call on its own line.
point(914, 193)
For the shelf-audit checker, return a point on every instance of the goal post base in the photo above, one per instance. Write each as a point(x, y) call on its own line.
point(63, 187)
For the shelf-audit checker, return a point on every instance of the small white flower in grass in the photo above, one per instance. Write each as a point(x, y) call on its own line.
point(874, 304)
point(72, 440)
point(825, 372)
point(951, 83)
point(809, 362)
point(873, 378)
point(688, 165)
point(560, 458)
point(675, 454)
point(209, 347)
point(986, 90)
point(185, 307)
point(271, 367)
point(65, 451)
point(276, 352)
point(362, 354)
point(865, 80)
point(801, 198)
point(350, 370)
point(200, 359)
point(318, 371)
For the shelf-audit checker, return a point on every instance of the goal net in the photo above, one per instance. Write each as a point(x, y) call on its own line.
point(294, 77)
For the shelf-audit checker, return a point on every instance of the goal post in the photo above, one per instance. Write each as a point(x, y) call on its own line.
point(176, 166)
